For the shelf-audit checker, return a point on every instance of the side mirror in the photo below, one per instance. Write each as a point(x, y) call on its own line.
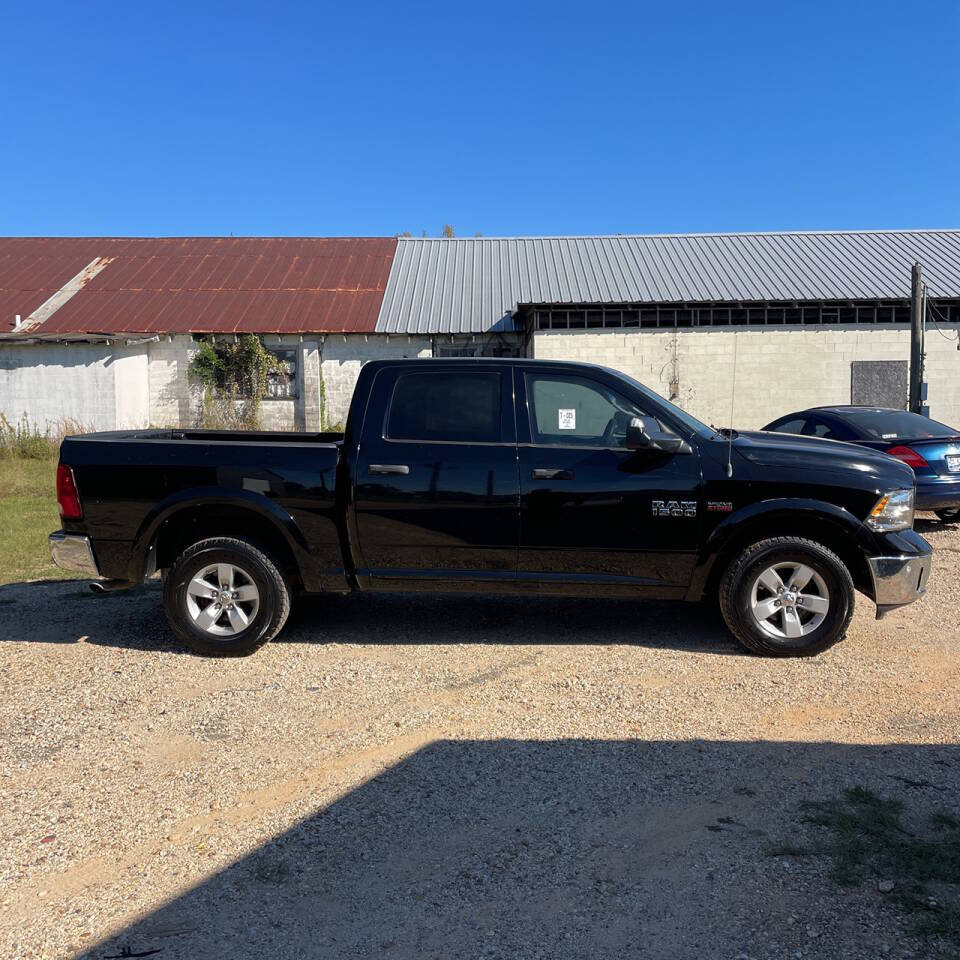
point(644, 433)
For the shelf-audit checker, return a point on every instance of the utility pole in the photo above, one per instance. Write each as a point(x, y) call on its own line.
point(916, 339)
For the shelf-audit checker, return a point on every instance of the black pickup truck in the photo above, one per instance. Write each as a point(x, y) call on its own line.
point(510, 476)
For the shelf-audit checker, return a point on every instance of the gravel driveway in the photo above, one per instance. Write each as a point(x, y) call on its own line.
point(456, 777)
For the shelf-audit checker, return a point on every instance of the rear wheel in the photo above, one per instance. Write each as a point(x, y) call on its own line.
point(225, 597)
point(950, 515)
point(787, 597)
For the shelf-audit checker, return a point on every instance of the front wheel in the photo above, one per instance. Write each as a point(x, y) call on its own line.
point(949, 515)
point(225, 597)
point(787, 597)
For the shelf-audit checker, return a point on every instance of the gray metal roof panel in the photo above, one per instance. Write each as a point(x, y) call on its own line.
point(475, 284)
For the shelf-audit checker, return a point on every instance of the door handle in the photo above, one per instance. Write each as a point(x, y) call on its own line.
point(400, 468)
point(552, 473)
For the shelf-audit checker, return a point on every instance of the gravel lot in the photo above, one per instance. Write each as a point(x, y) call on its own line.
point(456, 777)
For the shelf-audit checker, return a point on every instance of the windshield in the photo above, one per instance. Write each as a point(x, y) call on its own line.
point(690, 422)
point(896, 425)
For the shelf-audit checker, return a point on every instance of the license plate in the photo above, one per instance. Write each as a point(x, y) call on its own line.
point(953, 464)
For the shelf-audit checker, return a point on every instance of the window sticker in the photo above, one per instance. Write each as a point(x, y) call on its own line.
point(567, 418)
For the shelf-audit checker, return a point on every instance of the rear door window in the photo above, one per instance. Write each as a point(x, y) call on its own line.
point(447, 406)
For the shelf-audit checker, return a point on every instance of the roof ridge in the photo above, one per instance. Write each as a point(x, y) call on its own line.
point(186, 237)
point(661, 236)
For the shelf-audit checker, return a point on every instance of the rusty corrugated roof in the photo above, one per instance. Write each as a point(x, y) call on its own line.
point(193, 284)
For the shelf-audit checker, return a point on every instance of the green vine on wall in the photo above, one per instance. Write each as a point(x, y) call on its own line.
point(233, 378)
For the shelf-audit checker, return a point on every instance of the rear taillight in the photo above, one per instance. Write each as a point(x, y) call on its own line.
point(68, 499)
point(909, 456)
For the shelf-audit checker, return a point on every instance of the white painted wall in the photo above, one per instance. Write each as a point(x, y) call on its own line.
point(131, 385)
point(95, 385)
point(173, 403)
point(778, 370)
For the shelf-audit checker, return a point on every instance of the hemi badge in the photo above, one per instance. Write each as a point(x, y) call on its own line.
point(719, 506)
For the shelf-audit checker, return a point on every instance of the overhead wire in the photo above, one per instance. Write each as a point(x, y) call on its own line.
point(932, 311)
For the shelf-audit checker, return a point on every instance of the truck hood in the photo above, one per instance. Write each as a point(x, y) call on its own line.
point(813, 455)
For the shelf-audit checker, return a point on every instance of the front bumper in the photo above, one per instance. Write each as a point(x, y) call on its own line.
point(70, 551)
point(898, 581)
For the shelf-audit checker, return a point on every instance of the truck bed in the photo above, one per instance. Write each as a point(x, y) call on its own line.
point(211, 436)
point(261, 483)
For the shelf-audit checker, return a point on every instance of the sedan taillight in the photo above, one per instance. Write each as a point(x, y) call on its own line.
point(909, 456)
point(68, 499)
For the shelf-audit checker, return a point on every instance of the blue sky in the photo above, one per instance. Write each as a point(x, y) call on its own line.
point(507, 118)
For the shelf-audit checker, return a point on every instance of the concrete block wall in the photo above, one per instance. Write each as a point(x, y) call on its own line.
point(175, 402)
point(310, 386)
point(328, 371)
point(109, 386)
point(342, 357)
point(777, 370)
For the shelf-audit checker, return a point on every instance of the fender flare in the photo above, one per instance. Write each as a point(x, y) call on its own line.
point(194, 497)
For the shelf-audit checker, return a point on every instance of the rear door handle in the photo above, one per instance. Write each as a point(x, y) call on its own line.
point(400, 468)
point(552, 473)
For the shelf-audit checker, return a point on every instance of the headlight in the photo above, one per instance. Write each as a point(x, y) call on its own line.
point(893, 511)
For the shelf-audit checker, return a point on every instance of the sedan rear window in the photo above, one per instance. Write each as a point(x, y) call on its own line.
point(896, 425)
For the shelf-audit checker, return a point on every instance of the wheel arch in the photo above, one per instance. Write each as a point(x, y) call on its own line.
point(193, 516)
point(825, 523)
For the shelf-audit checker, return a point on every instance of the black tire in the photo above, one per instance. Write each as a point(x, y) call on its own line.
point(949, 515)
point(259, 569)
point(738, 580)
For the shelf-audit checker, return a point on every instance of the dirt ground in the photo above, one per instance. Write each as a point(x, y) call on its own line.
point(458, 777)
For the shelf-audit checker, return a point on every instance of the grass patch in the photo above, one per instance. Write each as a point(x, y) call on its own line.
point(28, 512)
point(28, 478)
point(864, 836)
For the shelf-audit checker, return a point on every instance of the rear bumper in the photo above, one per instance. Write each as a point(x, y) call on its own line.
point(938, 495)
point(70, 551)
point(898, 581)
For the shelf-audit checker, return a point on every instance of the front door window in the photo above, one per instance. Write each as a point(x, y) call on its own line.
point(573, 411)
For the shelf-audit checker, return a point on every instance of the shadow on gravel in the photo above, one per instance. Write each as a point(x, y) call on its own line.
point(134, 619)
point(563, 849)
point(385, 618)
point(927, 525)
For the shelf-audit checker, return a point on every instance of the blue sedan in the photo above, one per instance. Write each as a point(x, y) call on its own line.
point(932, 449)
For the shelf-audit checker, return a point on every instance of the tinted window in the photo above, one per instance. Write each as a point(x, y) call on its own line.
point(440, 405)
point(895, 425)
point(790, 426)
point(829, 430)
point(570, 410)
